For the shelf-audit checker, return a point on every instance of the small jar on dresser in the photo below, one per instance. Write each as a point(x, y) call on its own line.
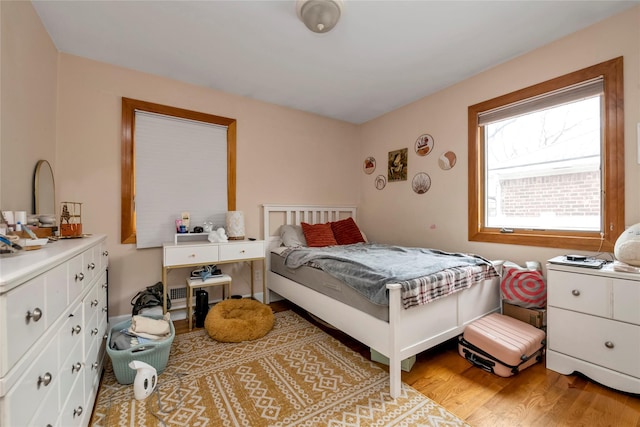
point(53, 327)
point(593, 324)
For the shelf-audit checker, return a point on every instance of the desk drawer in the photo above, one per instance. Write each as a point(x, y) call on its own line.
point(181, 255)
point(239, 251)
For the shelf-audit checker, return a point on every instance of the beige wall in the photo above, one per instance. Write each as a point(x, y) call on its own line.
point(439, 217)
point(28, 89)
point(284, 156)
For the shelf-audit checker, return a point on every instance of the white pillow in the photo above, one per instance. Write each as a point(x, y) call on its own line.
point(292, 236)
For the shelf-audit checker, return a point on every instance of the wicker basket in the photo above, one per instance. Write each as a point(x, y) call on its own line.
point(155, 354)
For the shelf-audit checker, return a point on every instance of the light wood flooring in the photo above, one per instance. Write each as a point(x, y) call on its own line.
point(535, 397)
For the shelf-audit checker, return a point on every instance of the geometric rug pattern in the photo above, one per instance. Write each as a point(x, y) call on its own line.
point(296, 375)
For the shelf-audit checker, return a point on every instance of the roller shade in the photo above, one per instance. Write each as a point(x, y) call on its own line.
point(180, 166)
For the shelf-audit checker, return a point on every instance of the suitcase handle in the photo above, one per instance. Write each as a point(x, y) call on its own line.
point(484, 364)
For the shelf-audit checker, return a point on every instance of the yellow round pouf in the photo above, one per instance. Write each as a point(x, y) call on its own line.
point(236, 320)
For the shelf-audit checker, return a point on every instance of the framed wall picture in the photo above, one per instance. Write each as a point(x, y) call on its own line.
point(398, 165)
point(447, 160)
point(369, 165)
point(421, 183)
point(424, 145)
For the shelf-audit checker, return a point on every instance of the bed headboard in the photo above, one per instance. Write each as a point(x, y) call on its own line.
point(276, 215)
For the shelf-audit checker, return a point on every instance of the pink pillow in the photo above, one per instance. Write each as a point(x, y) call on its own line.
point(318, 235)
point(346, 232)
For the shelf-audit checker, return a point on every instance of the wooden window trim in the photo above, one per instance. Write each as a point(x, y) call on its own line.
point(129, 107)
point(613, 165)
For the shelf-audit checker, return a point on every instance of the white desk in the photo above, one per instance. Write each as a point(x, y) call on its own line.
point(196, 253)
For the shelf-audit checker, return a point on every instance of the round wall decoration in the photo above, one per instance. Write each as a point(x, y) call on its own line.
point(369, 165)
point(447, 160)
point(381, 182)
point(424, 145)
point(421, 183)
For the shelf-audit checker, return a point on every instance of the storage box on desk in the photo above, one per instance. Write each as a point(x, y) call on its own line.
point(155, 354)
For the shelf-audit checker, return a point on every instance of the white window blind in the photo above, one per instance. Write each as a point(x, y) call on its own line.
point(180, 166)
point(573, 93)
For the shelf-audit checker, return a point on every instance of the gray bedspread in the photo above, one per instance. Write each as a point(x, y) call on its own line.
point(368, 268)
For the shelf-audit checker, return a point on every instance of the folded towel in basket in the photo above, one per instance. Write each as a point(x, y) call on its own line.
point(147, 327)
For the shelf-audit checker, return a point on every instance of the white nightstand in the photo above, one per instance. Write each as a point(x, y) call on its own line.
point(224, 280)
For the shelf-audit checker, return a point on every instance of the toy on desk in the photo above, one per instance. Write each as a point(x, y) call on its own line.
point(218, 236)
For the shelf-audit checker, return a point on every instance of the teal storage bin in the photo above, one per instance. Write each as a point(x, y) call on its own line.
point(155, 354)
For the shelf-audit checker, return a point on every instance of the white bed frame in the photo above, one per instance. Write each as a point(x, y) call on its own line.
point(408, 331)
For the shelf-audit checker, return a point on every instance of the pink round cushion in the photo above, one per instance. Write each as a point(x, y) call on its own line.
point(236, 320)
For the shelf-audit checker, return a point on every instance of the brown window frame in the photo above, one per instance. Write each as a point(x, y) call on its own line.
point(612, 164)
point(129, 107)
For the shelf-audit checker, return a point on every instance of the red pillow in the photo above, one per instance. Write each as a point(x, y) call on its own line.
point(346, 232)
point(318, 235)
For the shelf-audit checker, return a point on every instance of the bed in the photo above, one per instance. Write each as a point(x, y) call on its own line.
point(391, 330)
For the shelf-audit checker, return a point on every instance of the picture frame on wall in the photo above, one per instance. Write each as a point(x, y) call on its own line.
point(397, 169)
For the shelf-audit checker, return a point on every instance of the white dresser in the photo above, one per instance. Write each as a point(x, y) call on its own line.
point(53, 325)
point(593, 325)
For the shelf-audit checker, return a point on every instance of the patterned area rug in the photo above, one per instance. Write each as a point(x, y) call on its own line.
point(297, 375)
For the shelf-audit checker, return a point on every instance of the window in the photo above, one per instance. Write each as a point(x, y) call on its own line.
point(546, 163)
point(161, 115)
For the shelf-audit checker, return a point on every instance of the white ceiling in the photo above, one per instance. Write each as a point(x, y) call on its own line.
point(381, 55)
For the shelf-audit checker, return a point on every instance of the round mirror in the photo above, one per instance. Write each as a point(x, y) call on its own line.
point(44, 189)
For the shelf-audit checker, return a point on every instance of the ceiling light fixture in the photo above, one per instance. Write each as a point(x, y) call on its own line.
point(319, 16)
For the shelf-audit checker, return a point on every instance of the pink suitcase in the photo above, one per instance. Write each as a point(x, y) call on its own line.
point(501, 344)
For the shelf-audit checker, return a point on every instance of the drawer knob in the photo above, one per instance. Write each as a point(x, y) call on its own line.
point(79, 276)
point(192, 256)
point(575, 293)
point(105, 286)
point(105, 253)
point(104, 309)
point(94, 303)
point(76, 329)
point(44, 380)
point(91, 266)
point(77, 411)
point(95, 365)
point(76, 367)
point(94, 331)
point(242, 251)
point(35, 315)
point(609, 344)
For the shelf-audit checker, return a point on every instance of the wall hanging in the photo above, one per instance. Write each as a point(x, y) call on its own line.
point(421, 183)
point(398, 165)
point(447, 160)
point(369, 165)
point(424, 145)
point(381, 182)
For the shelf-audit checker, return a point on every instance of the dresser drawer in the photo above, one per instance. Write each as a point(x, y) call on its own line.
point(239, 251)
point(71, 329)
point(76, 278)
point(40, 380)
point(24, 320)
point(191, 254)
point(626, 301)
point(579, 292)
point(613, 345)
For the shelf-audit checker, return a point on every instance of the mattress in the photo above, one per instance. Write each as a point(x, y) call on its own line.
point(328, 285)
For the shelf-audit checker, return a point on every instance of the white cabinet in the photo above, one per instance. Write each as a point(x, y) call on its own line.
point(53, 324)
point(593, 325)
